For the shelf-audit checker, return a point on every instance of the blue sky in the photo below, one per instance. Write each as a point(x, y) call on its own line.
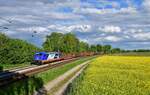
point(121, 23)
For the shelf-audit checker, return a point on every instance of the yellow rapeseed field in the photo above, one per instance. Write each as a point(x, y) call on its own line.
point(114, 75)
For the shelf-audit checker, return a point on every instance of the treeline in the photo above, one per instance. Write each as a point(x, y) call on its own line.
point(14, 51)
point(69, 43)
point(138, 50)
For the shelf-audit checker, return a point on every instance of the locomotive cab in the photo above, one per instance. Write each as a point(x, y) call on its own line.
point(53, 55)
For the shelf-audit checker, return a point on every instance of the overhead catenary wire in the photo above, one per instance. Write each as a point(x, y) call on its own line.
point(9, 21)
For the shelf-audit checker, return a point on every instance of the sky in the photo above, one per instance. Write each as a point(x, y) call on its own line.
point(120, 23)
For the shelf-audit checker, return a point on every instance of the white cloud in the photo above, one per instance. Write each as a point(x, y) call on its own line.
point(125, 24)
point(110, 29)
point(146, 4)
point(57, 15)
point(81, 28)
point(142, 36)
point(92, 10)
point(105, 11)
point(108, 38)
point(134, 31)
point(128, 10)
point(34, 28)
point(139, 25)
point(112, 38)
point(84, 40)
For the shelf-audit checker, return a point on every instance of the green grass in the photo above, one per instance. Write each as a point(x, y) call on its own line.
point(114, 75)
point(53, 73)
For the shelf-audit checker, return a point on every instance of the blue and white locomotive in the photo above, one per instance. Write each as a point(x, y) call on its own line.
point(45, 57)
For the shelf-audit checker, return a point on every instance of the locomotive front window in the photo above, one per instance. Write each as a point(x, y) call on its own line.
point(38, 54)
point(51, 54)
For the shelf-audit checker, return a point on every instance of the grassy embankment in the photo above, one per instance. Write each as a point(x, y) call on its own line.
point(31, 84)
point(53, 73)
point(114, 75)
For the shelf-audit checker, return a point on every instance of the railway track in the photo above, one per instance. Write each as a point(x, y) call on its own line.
point(19, 68)
point(13, 75)
point(7, 72)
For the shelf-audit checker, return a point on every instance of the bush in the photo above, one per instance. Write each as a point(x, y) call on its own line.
point(14, 51)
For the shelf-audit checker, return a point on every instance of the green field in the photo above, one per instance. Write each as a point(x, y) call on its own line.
point(114, 75)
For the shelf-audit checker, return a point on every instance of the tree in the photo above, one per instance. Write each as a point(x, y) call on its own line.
point(67, 43)
point(93, 48)
point(99, 48)
point(3, 39)
point(83, 47)
point(70, 43)
point(116, 50)
point(107, 49)
point(53, 42)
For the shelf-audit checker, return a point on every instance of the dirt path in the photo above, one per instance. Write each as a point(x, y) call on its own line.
point(58, 85)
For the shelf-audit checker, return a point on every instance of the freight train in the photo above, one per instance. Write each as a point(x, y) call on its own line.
point(48, 57)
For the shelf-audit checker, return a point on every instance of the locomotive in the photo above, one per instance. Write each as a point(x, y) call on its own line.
point(46, 57)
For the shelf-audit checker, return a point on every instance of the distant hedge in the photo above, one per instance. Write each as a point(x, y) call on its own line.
point(15, 51)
